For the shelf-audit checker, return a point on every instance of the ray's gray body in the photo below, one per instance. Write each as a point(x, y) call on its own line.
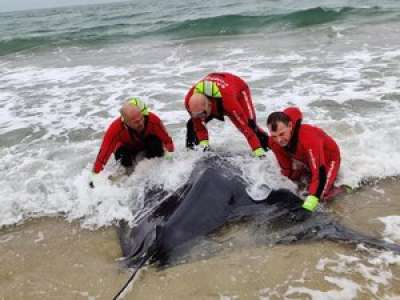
point(215, 195)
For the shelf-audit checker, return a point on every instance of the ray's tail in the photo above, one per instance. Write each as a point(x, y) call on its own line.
point(342, 233)
point(128, 284)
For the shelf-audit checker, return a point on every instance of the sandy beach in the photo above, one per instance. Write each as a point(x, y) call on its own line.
point(49, 258)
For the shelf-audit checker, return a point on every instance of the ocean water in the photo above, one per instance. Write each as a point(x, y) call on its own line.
point(64, 73)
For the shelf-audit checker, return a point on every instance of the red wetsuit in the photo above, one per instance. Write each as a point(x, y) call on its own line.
point(236, 104)
point(310, 149)
point(118, 134)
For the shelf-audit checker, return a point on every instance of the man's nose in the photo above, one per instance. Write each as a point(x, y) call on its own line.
point(281, 140)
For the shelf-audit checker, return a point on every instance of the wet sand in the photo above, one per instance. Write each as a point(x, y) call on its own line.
point(49, 258)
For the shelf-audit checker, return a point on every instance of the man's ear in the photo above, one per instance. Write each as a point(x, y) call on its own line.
point(207, 106)
point(290, 126)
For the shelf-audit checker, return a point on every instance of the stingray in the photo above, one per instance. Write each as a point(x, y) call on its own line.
point(214, 196)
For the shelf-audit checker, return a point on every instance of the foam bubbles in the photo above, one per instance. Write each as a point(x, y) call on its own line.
point(392, 227)
point(342, 289)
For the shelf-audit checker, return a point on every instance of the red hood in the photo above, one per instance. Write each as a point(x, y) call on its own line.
point(294, 114)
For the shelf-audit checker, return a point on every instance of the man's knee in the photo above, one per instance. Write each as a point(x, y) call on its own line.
point(153, 147)
point(125, 156)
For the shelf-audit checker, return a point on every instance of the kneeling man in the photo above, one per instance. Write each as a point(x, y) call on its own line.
point(304, 151)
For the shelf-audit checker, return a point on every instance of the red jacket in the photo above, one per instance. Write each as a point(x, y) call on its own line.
point(118, 134)
point(309, 147)
point(236, 104)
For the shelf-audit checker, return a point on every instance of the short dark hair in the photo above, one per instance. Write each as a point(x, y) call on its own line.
point(276, 117)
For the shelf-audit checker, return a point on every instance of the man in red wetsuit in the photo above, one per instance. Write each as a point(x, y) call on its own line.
point(218, 95)
point(304, 150)
point(136, 131)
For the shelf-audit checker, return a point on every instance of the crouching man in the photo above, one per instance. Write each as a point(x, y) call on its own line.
point(305, 152)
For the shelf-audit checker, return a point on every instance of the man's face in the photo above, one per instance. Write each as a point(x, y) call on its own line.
point(199, 107)
point(133, 118)
point(282, 134)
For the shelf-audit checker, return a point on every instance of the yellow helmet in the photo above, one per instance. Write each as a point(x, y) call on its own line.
point(208, 88)
point(141, 105)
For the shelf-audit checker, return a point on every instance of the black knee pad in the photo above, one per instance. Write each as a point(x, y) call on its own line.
point(191, 139)
point(153, 147)
point(125, 156)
